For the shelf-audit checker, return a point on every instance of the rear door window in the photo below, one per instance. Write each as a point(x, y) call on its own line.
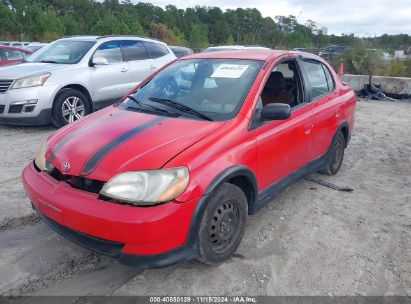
point(155, 50)
point(134, 50)
point(316, 78)
point(111, 51)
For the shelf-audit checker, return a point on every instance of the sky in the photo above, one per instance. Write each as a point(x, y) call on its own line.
point(359, 17)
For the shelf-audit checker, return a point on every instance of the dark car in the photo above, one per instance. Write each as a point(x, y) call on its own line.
point(9, 54)
point(181, 51)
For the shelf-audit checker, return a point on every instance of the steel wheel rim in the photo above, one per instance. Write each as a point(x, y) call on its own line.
point(73, 109)
point(224, 226)
point(337, 154)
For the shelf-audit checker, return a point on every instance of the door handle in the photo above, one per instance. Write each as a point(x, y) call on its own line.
point(152, 67)
point(123, 70)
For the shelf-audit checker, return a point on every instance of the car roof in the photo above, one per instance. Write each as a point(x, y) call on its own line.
point(111, 37)
point(256, 54)
point(14, 48)
point(80, 38)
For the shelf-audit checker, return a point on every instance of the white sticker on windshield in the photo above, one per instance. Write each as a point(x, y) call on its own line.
point(230, 71)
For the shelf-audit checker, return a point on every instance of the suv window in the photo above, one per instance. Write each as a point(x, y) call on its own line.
point(134, 50)
point(330, 80)
point(316, 78)
point(111, 51)
point(155, 50)
point(65, 51)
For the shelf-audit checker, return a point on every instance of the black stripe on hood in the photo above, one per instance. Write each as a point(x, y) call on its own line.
point(94, 159)
point(80, 130)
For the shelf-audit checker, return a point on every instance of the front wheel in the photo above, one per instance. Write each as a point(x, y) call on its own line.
point(222, 225)
point(335, 155)
point(70, 105)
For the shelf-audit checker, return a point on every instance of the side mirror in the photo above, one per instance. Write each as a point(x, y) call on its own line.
point(99, 61)
point(276, 111)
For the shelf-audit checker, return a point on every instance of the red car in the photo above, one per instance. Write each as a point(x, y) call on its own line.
point(172, 171)
point(9, 54)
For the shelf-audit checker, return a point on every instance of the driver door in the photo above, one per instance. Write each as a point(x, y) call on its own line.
point(283, 145)
point(112, 80)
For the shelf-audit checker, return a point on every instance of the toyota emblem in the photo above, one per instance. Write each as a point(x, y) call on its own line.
point(65, 167)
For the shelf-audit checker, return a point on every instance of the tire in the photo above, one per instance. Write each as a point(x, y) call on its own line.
point(222, 225)
point(335, 155)
point(69, 105)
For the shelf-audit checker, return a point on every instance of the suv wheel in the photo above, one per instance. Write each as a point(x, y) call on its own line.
point(70, 105)
point(222, 225)
point(335, 155)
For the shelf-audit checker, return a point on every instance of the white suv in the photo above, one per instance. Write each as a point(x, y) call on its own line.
point(74, 76)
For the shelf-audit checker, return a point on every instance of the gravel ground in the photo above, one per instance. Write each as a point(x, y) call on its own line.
point(310, 240)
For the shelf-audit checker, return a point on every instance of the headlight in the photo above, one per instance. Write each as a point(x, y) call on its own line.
point(32, 81)
point(41, 161)
point(147, 187)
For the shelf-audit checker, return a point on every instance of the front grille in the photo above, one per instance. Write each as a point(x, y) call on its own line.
point(5, 85)
point(15, 108)
point(81, 183)
point(2, 108)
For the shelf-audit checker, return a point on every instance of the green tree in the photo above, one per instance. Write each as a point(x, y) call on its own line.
point(198, 37)
point(196, 27)
point(230, 40)
point(9, 27)
point(361, 61)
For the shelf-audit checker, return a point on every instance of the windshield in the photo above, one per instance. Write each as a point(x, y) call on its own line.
point(62, 51)
point(212, 89)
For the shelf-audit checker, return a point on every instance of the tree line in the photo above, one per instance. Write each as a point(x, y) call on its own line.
point(198, 27)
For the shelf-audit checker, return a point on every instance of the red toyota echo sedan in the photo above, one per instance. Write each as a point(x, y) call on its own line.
point(172, 171)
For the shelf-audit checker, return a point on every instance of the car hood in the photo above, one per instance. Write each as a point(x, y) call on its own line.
point(112, 140)
point(25, 69)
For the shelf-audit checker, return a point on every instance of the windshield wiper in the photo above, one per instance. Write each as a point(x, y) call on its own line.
point(180, 107)
point(146, 106)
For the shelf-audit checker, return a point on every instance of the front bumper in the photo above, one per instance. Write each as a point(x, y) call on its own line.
point(40, 115)
point(43, 118)
point(153, 236)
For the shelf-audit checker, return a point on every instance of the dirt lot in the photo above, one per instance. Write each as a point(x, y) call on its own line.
point(310, 241)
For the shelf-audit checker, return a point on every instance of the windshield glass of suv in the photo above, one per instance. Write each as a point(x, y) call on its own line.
point(215, 88)
point(62, 51)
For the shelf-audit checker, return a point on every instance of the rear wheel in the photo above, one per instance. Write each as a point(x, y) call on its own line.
point(70, 105)
point(222, 225)
point(335, 155)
